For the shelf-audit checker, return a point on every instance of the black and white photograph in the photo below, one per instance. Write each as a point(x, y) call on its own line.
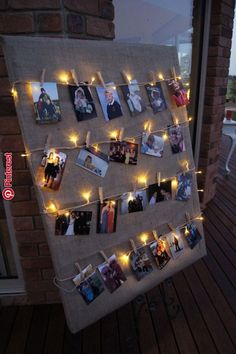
point(140, 263)
point(73, 223)
point(124, 152)
point(109, 101)
point(175, 243)
point(133, 98)
point(178, 93)
point(82, 101)
point(176, 139)
point(107, 216)
point(152, 144)
point(191, 234)
point(46, 102)
point(93, 161)
point(160, 193)
point(112, 274)
point(160, 253)
point(51, 169)
point(134, 201)
point(156, 97)
point(184, 187)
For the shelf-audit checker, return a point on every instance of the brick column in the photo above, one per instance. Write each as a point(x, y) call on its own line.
point(215, 94)
point(88, 19)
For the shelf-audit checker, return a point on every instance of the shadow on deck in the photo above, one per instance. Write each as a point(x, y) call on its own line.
point(198, 316)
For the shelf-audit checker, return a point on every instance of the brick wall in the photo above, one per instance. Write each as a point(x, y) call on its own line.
point(216, 86)
point(88, 19)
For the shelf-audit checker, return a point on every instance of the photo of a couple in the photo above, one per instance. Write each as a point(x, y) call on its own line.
point(107, 214)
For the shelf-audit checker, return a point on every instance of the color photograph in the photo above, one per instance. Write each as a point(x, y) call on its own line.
point(184, 188)
point(112, 274)
point(191, 234)
point(46, 102)
point(175, 243)
point(152, 145)
point(124, 152)
point(134, 201)
point(176, 139)
point(82, 101)
point(156, 97)
point(177, 92)
point(133, 98)
point(160, 193)
point(93, 161)
point(73, 223)
point(159, 251)
point(109, 101)
point(140, 263)
point(107, 215)
point(51, 169)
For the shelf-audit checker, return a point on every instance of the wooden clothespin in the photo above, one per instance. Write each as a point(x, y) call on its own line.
point(121, 134)
point(100, 193)
point(104, 256)
point(126, 77)
point(78, 267)
point(42, 77)
point(152, 78)
point(133, 246)
point(87, 141)
point(100, 78)
point(155, 235)
point(75, 77)
point(159, 179)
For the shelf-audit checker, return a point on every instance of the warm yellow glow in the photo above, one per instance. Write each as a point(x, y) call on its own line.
point(114, 134)
point(163, 180)
point(151, 83)
point(130, 197)
point(190, 119)
point(125, 258)
point(67, 213)
point(187, 84)
point(14, 92)
point(176, 121)
point(86, 195)
point(165, 136)
point(96, 147)
point(52, 207)
point(198, 172)
point(147, 126)
point(174, 183)
point(93, 79)
point(113, 87)
point(160, 76)
point(25, 155)
point(200, 190)
point(64, 78)
point(74, 138)
point(144, 238)
point(187, 165)
point(113, 202)
point(186, 232)
point(179, 77)
point(188, 93)
point(142, 179)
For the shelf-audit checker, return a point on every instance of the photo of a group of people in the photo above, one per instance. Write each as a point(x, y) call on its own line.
point(93, 161)
point(83, 102)
point(124, 152)
point(175, 244)
point(178, 93)
point(160, 253)
point(156, 97)
point(88, 284)
point(152, 144)
point(191, 234)
point(112, 274)
point(134, 201)
point(109, 101)
point(184, 188)
point(133, 98)
point(107, 215)
point(140, 263)
point(73, 223)
point(46, 102)
point(176, 139)
point(160, 193)
point(51, 169)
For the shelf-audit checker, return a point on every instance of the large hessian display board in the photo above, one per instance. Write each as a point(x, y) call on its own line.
point(26, 57)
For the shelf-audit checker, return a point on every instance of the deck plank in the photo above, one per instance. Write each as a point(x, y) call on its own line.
point(55, 333)
point(7, 318)
point(110, 334)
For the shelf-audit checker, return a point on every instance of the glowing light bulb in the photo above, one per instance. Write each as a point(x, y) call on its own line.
point(165, 136)
point(86, 196)
point(174, 183)
point(125, 258)
point(96, 148)
point(198, 172)
point(130, 197)
point(114, 134)
point(129, 78)
point(144, 238)
point(190, 119)
point(63, 77)
point(73, 138)
point(93, 79)
point(160, 76)
point(142, 179)
point(25, 155)
point(14, 92)
point(52, 208)
point(200, 190)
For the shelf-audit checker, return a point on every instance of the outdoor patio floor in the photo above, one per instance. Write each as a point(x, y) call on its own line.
point(194, 312)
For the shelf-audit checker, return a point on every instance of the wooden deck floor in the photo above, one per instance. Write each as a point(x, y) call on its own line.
point(194, 312)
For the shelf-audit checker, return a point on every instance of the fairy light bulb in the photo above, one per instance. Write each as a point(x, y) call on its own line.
point(114, 134)
point(125, 258)
point(93, 79)
point(52, 207)
point(130, 197)
point(186, 232)
point(73, 138)
point(190, 119)
point(86, 195)
point(200, 190)
point(96, 147)
point(129, 78)
point(142, 179)
point(160, 76)
point(165, 136)
point(63, 77)
point(144, 238)
point(198, 172)
point(14, 92)
point(174, 183)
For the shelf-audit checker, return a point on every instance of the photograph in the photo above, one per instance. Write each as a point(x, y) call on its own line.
point(152, 144)
point(176, 139)
point(156, 97)
point(86, 272)
point(82, 101)
point(124, 152)
point(51, 169)
point(112, 274)
point(107, 215)
point(160, 193)
point(134, 201)
point(73, 223)
point(140, 263)
point(46, 102)
point(191, 234)
point(159, 251)
point(93, 161)
point(109, 101)
point(175, 243)
point(184, 187)
point(177, 92)
point(133, 98)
